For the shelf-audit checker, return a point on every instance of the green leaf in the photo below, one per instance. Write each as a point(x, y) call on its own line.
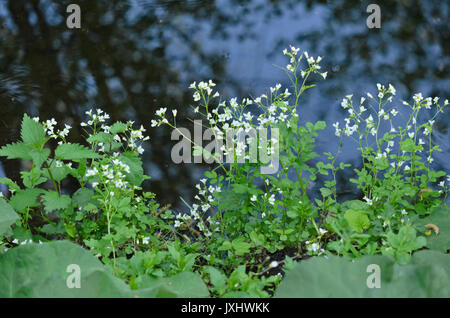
point(357, 219)
point(32, 132)
point(240, 246)
point(428, 275)
point(11, 184)
point(118, 127)
point(7, 216)
point(441, 218)
point(54, 201)
point(75, 152)
point(217, 278)
point(25, 199)
point(82, 196)
point(136, 175)
point(18, 150)
point(41, 270)
point(39, 156)
point(100, 137)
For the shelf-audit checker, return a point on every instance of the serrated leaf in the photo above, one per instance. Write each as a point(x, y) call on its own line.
point(53, 201)
point(32, 132)
point(18, 150)
point(39, 156)
point(118, 127)
point(11, 184)
point(136, 175)
point(82, 196)
point(74, 152)
point(25, 198)
point(7, 216)
point(100, 137)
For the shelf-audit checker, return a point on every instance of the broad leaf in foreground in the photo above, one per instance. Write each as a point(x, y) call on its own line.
point(428, 275)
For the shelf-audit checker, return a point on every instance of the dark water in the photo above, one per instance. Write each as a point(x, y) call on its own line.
point(133, 57)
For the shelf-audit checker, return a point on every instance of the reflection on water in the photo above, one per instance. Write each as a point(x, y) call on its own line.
point(132, 57)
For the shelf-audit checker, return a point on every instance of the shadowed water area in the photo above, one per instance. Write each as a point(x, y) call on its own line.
point(132, 57)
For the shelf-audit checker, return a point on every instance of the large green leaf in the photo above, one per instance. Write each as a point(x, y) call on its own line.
point(16, 150)
point(74, 152)
point(40, 270)
point(428, 275)
point(25, 198)
point(441, 218)
point(43, 270)
point(7, 216)
point(32, 132)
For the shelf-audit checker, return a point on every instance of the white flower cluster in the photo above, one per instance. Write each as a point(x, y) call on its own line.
point(49, 128)
point(109, 174)
point(95, 117)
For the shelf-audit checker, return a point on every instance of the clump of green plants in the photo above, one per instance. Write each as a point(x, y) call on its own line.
point(251, 221)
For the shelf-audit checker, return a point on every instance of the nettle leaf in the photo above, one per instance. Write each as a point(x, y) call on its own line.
point(118, 127)
point(357, 219)
point(75, 152)
point(82, 196)
point(7, 216)
point(16, 150)
point(100, 137)
point(58, 173)
point(53, 201)
point(217, 279)
point(428, 275)
point(440, 217)
point(25, 199)
point(11, 184)
point(39, 156)
point(136, 175)
point(32, 132)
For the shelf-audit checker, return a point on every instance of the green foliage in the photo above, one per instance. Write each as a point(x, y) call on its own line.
point(440, 218)
point(74, 152)
point(427, 276)
point(251, 219)
point(7, 216)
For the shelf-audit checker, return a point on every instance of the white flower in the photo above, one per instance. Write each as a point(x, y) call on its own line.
point(322, 231)
point(272, 199)
point(160, 112)
point(253, 198)
point(174, 112)
point(324, 75)
point(274, 264)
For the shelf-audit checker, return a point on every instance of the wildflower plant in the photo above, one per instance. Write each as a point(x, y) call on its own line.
point(397, 180)
point(109, 212)
point(253, 205)
point(237, 200)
